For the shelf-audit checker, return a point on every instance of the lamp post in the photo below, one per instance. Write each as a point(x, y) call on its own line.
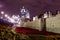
point(2, 13)
point(44, 22)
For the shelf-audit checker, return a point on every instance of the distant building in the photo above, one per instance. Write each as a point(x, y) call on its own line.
point(24, 13)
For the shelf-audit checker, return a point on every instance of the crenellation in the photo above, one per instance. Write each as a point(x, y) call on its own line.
point(53, 23)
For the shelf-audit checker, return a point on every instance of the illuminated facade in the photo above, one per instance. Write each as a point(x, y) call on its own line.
point(24, 13)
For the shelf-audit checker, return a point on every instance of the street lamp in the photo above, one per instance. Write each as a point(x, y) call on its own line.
point(6, 15)
point(2, 12)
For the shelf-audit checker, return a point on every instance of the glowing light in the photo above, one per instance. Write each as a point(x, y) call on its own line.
point(6, 15)
point(45, 15)
point(33, 18)
point(15, 17)
point(11, 20)
point(2, 12)
point(18, 22)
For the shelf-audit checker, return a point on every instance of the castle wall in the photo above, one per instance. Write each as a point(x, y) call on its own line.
point(53, 24)
point(35, 24)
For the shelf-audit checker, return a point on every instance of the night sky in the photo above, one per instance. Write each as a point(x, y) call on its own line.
point(36, 7)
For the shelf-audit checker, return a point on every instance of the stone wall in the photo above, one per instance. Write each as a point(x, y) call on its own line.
point(35, 24)
point(53, 24)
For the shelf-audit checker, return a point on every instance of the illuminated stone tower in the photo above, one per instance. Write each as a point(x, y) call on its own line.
point(24, 13)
